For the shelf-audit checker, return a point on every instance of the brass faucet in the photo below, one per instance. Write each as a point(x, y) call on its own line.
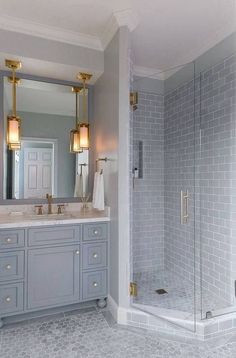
point(49, 199)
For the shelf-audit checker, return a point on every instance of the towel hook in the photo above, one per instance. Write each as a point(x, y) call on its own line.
point(105, 159)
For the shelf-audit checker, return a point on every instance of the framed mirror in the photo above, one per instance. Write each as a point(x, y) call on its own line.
point(44, 164)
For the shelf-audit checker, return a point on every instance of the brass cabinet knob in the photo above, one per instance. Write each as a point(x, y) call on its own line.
point(95, 255)
point(8, 299)
point(95, 284)
point(8, 267)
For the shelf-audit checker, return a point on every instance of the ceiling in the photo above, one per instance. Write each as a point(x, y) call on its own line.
point(165, 33)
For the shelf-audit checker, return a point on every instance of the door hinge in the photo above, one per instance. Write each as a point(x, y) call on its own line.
point(133, 289)
point(133, 100)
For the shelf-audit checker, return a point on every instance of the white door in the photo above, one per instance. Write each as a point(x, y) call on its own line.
point(38, 172)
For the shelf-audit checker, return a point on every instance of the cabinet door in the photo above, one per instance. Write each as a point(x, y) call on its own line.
point(53, 276)
point(11, 298)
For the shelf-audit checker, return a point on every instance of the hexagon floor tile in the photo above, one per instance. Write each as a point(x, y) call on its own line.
point(90, 335)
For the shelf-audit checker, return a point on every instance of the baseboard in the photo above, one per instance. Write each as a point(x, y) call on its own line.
point(119, 313)
point(113, 307)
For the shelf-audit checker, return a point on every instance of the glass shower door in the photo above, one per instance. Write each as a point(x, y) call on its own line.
point(163, 198)
point(217, 172)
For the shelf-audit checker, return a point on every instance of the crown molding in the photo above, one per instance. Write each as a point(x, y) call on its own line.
point(149, 73)
point(219, 36)
point(127, 18)
point(109, 31)
point(27, 27)
point(118, 19)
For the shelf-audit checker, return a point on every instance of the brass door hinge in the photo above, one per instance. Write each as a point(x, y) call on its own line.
point(133, 289)
point(133, 100)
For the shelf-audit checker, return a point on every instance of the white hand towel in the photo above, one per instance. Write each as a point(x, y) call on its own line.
point(95, 191)
point(78, 192)
point(85, 183)
point(98, 192)
point(101, 200)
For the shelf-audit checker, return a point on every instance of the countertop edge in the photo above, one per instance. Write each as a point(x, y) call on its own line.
point(36, 223)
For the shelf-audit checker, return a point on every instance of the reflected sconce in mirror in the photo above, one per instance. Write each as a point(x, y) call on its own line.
point(13, 121)
point(74, 133)
point(84, 126)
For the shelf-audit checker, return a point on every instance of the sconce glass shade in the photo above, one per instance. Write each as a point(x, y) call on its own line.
point(84, 135)
point(13, 132)
point(75, 141)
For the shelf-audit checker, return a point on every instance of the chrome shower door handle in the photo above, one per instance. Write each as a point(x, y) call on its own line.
point(184, 197)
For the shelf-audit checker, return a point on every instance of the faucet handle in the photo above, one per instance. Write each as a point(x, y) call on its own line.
point(39, 209)
point(49, 197)
point(59, 207)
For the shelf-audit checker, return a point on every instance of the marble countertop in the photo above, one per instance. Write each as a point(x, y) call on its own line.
point(20, 220)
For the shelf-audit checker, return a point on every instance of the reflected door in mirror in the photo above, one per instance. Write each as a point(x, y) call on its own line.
point(38, 172)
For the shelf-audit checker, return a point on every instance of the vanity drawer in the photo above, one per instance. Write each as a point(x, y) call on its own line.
point(94, 255)
point(94, 284)
point(96, 231)
point(11, 239)
point(54, 235)
point(11, 298)
point(11, 265)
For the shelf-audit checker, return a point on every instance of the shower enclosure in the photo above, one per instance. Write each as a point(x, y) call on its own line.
point(183, 190)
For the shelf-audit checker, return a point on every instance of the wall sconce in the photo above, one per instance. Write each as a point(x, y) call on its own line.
point(84, 126)
point(74, 133)
point(13, 121)
point(84, 135)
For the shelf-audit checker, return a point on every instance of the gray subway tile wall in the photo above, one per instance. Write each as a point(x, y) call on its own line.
point(179, 159)
point(177, 155)
point(216, 172)
point(148, 192)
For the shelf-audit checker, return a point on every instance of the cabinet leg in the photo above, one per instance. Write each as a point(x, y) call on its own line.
point(101, 303)
point(1, 322)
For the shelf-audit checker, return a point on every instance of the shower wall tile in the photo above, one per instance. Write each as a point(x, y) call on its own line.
point(131, 164)
point(179, 149)
point(169, 128)
point(215, 172)
point(148, 192)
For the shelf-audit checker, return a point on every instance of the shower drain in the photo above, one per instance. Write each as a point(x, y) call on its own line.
point(161, 291)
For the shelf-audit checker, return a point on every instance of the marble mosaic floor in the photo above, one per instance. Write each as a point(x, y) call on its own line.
point(179, 296)
point(93, 334)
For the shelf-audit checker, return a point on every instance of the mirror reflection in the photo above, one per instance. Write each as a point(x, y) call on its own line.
point(44, 164)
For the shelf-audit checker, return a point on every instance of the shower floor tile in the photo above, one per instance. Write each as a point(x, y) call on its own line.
point(179, 296)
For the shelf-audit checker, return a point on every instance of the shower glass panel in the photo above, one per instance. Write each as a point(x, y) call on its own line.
point(217, 178)
point(163, 197)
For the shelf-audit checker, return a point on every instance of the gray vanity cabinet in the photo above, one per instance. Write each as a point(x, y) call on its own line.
point(53, 276)
point(11, 298)
point(51, 266)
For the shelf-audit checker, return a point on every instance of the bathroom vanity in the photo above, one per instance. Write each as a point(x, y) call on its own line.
point(52, 262)
point(52, 253)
